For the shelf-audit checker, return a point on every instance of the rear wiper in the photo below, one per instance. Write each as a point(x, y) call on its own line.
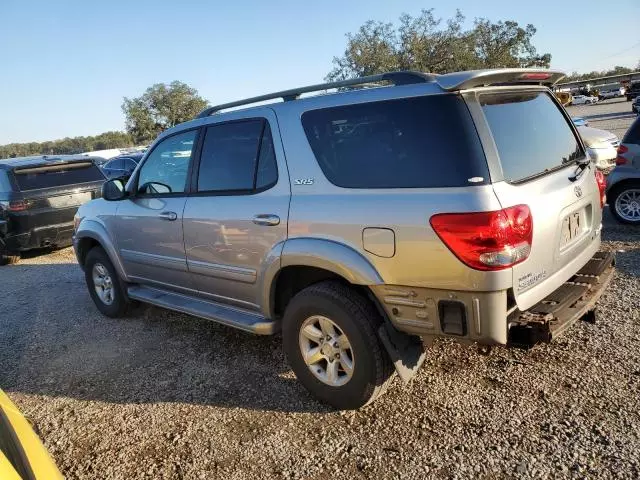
point(582, 166)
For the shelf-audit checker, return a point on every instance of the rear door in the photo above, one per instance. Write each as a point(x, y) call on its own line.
point(535, 149)
point(236, 217)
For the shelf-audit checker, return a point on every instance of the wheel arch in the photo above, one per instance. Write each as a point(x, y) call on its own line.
point(304, 261)
point(92, 234)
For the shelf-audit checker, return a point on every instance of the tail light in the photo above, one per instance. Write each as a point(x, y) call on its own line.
point(487, 240)
point(620, 160)
point(15, 205)
point(602, 186)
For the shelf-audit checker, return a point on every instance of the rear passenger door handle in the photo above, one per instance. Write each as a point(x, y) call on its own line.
point(266, 219)
point(170, 216)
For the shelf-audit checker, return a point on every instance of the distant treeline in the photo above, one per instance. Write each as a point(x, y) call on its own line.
point(67, 145)
point(617, 70)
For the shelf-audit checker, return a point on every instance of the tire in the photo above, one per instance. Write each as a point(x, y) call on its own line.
point(352, 316)
point(98, 265)
point(8, 259)
point(616, 199)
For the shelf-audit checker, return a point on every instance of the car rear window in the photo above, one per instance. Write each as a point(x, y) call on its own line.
point(530, 132)
point(418, 142)
point(49, 176)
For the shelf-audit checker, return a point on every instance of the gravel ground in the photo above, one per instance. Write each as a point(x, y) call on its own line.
point(614, 115)
point(161, 395)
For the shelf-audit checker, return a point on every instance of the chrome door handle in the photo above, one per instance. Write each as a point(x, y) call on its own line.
point(171, 216)
point(266, 219)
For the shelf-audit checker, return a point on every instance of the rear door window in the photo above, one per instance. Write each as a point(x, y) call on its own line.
point(418, 142)
point(530, 132)
point(50, 176)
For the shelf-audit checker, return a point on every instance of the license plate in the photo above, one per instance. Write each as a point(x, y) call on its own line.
point(571, 228)
point(63, 201)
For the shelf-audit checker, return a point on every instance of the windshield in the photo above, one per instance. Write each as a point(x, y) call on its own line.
point(531, 134)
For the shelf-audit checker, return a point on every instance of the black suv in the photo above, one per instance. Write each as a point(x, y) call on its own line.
point(633, 91)
point(39, 197)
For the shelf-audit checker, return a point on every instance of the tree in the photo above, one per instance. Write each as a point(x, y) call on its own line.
point(67, 145)
point(160, 107)
point(424, 43)
point(617, 70)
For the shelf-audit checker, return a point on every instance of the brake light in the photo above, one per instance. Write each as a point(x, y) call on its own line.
point(487, 240)
point(602, 186)
point(15, 205)
point(535, 76)
point(620, 160)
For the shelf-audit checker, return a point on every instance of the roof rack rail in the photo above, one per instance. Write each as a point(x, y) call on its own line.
point(396, 78)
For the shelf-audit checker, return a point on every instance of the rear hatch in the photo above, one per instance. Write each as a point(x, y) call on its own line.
point(538, 151)
point(52, 193)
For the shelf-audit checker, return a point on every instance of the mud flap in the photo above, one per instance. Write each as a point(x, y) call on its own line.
point(406, 351)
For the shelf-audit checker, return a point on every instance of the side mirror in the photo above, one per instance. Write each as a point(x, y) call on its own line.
point(113, 190)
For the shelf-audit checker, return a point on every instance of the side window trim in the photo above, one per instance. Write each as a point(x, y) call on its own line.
point(223, 193)
point(188, 187)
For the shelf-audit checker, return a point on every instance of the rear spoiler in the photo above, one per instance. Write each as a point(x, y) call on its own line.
point(498, 76)
point(55, 167)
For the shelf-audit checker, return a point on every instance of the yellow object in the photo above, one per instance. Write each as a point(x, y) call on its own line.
point(564, 97)
point(21, 443)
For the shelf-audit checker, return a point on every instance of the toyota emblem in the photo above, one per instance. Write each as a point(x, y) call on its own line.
point(578, 191)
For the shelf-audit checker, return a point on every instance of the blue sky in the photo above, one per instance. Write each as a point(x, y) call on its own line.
point(65, 65)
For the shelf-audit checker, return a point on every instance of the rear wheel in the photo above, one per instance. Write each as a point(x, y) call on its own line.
point(105, 286)
point(624, 203)
point(331, 342)
point(8, 259)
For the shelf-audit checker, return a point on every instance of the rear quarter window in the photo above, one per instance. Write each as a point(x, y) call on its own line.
point(531, 133)
point(51, 176)
point(5, 183)
point(633, 134)
point(418, 142)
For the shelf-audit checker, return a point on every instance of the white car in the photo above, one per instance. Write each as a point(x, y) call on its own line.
point(582, 99)
point(602, 146)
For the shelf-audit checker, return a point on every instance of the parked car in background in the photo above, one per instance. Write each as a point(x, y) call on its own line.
point(361, 240)
point(633, 91)
point(601, 146)
point(583, 99)
point(38, 199)
point(623, 183)
point(122, 166)
point(580, 122)
point(22, 454)
point(611, 93)
point(635, 106)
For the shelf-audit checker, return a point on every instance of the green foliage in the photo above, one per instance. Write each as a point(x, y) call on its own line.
point(617, 70)
point(160, 107)
point(425, 44)
point(67, 145)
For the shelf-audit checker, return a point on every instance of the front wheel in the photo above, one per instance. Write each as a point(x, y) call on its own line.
point(624, 203)
point(330, 340)
point(104, 284)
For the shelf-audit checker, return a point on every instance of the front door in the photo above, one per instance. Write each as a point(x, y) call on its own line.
point(149, 230)
point(238, 212)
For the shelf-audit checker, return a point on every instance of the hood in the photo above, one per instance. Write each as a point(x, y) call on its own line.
point(594, 137)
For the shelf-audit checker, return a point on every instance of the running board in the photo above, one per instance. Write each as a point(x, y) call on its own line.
point(224, 314)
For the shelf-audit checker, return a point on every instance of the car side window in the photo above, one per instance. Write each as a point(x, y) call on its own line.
point(5, 184)
point(237, 156)
point(129, 164)
point(115, 164)
point(166, 168)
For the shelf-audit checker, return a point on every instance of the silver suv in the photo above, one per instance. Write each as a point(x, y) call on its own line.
point(362, 224)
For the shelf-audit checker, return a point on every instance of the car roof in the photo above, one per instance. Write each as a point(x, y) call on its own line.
point(41, 160)
point(134, 156)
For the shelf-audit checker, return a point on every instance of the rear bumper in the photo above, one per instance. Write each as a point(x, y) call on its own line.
point(493, 318)
point(557, 312)
point(58, 235)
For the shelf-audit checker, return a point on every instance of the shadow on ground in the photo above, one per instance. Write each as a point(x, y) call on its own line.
point(54, 342)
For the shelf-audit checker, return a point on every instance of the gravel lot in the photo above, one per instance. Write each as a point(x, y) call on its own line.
point(614, 115)
point(162, 395)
